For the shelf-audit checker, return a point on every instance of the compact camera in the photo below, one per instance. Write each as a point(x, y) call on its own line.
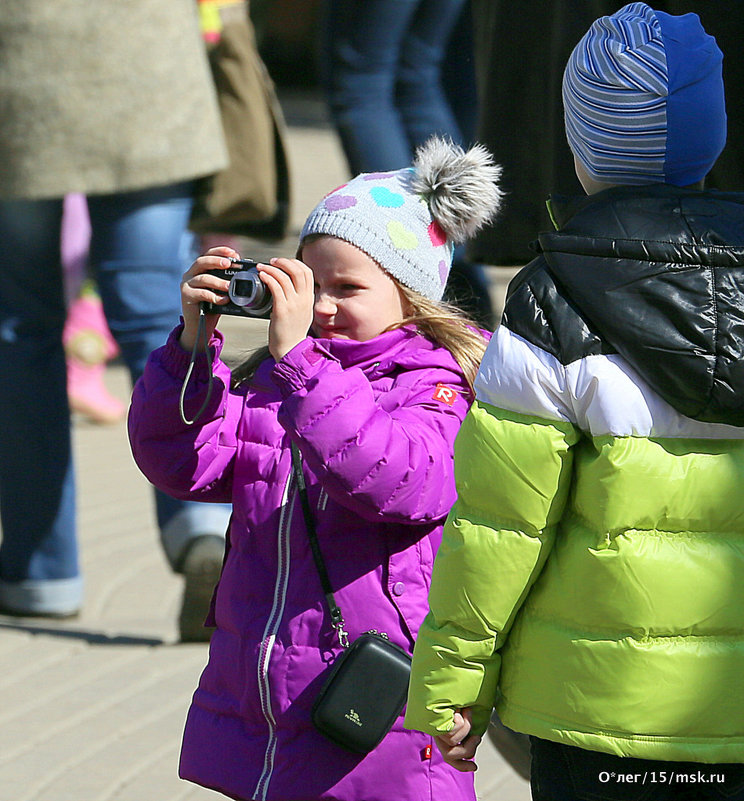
point(249, 296)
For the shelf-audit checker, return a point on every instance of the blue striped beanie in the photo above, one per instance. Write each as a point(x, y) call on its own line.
point(643, 98)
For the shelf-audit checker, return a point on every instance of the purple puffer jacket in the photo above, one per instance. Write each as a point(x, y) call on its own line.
point(376, 423)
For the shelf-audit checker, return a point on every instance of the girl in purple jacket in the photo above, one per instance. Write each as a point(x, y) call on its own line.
point(373, 396)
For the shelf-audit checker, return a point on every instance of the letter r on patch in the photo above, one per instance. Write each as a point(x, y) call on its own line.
point(445, 394)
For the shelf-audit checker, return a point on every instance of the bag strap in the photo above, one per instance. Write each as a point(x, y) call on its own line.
point(337, 618)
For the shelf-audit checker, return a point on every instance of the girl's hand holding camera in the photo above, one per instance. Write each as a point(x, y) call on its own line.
point(289, 281)
point(198, 286)
point(291, 284)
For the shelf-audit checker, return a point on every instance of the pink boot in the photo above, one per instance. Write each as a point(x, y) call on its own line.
point(87, 339)
point(89, 345)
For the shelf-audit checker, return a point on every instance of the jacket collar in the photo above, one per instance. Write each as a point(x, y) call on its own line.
point(365, 355)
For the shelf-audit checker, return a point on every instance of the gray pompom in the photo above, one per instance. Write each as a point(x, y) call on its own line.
point(459, 186)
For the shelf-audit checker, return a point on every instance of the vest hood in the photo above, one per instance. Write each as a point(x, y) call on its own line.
point(658, 272)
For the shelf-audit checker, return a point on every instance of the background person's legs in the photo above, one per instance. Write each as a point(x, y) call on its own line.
point(140, 248)
point(39, 570)
point(361, 55)
point(382, 66)
point(420, 93)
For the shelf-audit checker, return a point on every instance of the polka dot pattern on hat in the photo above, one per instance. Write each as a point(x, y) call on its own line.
point(388, 215)
point(379, 214)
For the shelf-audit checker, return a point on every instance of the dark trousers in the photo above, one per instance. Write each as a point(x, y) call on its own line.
point(565, 773)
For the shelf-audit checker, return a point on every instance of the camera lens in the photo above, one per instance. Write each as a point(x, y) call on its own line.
point(244, 289)
point(249, 292)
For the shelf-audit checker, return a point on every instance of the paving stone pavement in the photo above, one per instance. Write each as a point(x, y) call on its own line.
point(92, 709)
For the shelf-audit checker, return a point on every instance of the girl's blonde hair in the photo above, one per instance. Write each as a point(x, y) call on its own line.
point(447, 326)
point(441, 322)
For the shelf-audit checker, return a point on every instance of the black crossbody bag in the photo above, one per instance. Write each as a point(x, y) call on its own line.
point(367, 685)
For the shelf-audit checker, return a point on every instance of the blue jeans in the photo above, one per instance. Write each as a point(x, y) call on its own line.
point(565, 773)
point(396, 72)
point(382, 67)
point(140, 247)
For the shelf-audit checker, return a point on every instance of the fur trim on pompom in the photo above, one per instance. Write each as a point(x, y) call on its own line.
point(459, 186)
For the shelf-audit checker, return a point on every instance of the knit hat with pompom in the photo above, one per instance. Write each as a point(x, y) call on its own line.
point(409, 220)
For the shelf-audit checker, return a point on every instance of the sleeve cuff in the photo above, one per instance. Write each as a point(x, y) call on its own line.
point(304, 361)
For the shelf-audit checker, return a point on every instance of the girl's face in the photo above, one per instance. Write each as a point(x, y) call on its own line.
point(354, 297)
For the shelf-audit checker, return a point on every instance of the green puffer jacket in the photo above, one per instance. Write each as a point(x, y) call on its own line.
point(590, 584)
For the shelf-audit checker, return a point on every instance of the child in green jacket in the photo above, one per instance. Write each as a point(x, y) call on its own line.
point(590, 584)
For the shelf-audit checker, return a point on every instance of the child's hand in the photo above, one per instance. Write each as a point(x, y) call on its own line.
point(291, 285)
point(198, 286)
point(458, 746)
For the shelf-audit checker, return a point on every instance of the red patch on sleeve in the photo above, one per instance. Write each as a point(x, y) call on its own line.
point(445, 394)
point(426, 753)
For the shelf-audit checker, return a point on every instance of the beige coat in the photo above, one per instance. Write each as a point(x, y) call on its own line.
point(100, 96)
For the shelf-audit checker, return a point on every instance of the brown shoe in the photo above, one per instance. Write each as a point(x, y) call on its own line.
point(201, 569)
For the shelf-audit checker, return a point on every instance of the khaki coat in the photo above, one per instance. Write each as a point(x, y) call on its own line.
point(105, 96)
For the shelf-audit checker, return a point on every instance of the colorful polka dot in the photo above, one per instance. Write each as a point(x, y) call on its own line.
point(443, 272)
point(339, 202)
point(401, 237)
point(384, 198)
point(436, 234)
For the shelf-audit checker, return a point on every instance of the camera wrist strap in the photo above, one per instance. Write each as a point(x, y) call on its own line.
point(337, 618)
point(201, 333)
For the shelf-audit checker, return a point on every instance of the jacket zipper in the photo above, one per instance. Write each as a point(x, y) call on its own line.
point(269, 637)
